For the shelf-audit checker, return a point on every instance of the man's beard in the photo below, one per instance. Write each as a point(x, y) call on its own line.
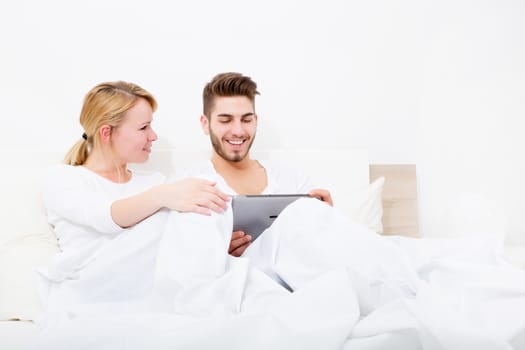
point(217, 146)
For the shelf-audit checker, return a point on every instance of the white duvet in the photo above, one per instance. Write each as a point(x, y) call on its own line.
point(177, 288)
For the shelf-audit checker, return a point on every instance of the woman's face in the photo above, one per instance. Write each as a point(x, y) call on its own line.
point(132, 139)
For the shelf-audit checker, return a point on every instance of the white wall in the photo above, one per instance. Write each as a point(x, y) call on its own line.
point(432, 82)
point(470, 136)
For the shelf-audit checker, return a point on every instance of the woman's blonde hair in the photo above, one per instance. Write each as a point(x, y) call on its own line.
point(105, 104)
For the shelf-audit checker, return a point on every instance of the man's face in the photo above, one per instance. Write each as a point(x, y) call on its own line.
point(232, 127)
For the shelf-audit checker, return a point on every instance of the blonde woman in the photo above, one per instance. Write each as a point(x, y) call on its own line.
point(96, 204)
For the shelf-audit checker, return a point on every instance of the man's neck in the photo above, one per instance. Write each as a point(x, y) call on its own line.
point(222, 165)
point(244, 177)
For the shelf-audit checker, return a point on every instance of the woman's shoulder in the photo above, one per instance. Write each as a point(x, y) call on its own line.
point(62, 174)
point(60, 177)
point(61, 171)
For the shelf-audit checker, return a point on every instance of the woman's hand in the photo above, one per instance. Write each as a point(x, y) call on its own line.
point(323, 195)
point(193, 195)
point(238, 243)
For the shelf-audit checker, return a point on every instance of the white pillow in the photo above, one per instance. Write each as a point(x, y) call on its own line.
point(363, 205)
point(21, 210)
point(18, 260)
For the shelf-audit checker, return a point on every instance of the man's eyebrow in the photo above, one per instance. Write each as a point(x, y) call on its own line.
point(249, 114)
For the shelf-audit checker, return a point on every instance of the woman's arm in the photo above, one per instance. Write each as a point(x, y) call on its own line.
point(188, 195)
point(84, 199)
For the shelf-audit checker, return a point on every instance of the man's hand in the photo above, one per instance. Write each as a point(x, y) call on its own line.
point(239, 242)
point(324, 195)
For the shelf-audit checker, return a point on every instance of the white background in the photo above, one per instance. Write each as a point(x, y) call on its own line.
point(436, 83)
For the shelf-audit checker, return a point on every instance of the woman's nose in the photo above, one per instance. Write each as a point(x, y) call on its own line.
point(153, 135)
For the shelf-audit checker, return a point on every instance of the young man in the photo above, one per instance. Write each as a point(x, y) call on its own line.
point(230, 120)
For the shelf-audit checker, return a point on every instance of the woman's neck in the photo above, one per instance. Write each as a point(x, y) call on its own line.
point(108, 168)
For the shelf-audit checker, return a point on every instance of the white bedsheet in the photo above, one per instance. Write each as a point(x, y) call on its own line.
point(354, 290)
point(15, 334)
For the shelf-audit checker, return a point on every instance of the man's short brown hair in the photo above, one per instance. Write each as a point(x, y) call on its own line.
point(227, 85)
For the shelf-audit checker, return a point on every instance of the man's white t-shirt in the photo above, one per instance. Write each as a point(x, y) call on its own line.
point(281, 179)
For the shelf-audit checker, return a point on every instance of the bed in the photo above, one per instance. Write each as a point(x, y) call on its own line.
point(379, 196)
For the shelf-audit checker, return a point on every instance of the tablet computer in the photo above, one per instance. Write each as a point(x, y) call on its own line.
point(255, 213)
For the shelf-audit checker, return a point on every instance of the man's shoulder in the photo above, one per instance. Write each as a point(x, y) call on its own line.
point(285, 178)
point(280, 167)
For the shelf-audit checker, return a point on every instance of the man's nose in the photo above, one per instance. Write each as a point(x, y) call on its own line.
point(237, 127)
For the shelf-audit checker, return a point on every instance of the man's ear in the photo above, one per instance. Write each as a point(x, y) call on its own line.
point(105, 133)
point(205, 125)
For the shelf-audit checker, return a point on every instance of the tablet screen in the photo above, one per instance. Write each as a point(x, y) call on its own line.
point(255, 213)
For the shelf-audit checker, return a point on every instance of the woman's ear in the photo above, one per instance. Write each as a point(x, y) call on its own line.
point(105, 133)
